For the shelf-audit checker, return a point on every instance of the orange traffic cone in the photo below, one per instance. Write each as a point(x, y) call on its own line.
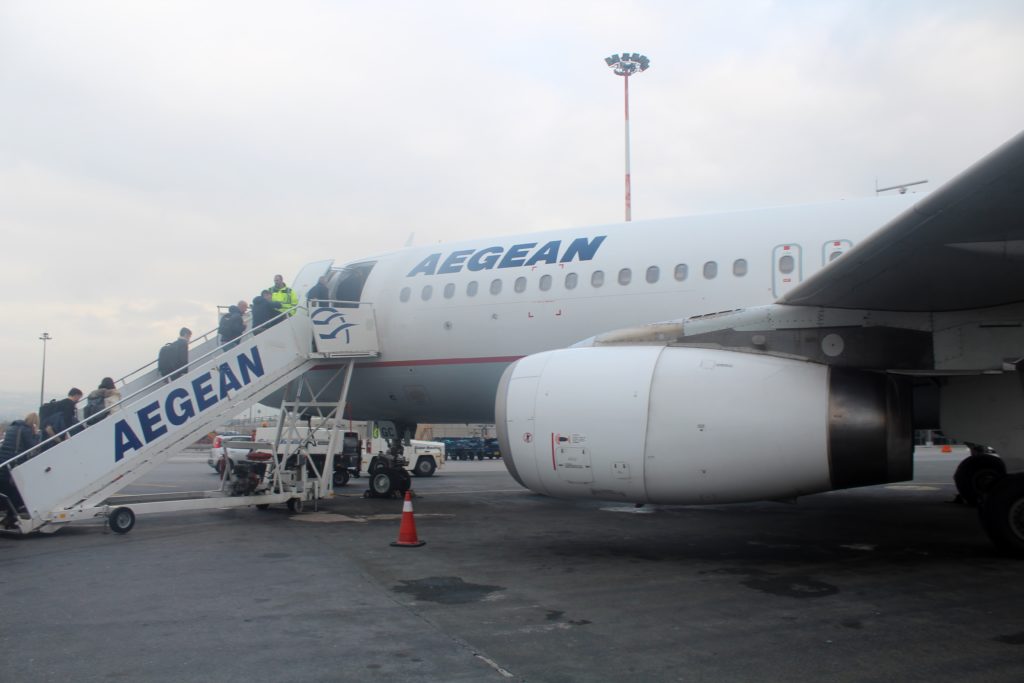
point(407, 532)
point(947, 449)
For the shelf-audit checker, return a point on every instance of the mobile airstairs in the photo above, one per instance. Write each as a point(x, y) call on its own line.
point(75, 479)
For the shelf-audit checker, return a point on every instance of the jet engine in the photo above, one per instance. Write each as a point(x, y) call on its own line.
point(688, 425)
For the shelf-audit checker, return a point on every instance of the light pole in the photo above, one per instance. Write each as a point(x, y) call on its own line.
point(42, 385)
point(626, 65)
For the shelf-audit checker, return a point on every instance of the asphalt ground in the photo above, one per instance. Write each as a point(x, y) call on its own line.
point(891, 583)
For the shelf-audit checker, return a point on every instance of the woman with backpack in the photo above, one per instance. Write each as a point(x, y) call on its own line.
point(99, 399)
point(20, 436)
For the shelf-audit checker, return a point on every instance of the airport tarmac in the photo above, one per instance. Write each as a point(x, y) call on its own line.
point(880, 584)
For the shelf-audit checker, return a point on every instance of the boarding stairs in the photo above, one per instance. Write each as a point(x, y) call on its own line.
point(77, 478)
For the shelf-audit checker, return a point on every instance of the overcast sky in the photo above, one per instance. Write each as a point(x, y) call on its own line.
point(160, 158)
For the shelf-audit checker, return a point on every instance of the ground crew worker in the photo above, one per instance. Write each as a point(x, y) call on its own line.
point(283, 298)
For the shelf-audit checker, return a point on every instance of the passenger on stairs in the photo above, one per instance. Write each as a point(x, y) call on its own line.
point(62, 416)
point(99, 399)
point(231, 326)
point(20, 436)
point(262, 310)
point(174, 355)
point(283, 296)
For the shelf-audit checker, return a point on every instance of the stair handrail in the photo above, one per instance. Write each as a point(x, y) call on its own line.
point(81, 426)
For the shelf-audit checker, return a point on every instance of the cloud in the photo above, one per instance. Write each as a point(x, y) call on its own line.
point(165, 157)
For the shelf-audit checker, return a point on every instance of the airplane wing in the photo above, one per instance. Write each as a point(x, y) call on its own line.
point(961, 247)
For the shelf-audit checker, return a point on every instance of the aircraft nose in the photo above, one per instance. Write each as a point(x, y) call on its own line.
point(501, 424)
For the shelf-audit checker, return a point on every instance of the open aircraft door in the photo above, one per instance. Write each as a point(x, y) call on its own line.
point(308, 276)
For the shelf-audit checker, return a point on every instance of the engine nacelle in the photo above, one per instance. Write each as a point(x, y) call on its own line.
point(684, 425)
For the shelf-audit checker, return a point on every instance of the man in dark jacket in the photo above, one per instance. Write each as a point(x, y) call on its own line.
point(262, 310)
point(63, 416)
point(231, 325)
point(318, 292)
point(174, 356)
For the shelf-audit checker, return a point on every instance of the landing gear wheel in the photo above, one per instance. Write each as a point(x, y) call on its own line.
point(295, 505)
point(121, 520)
point(1002, 515)
point(425, 467)
point(340, 477)
point(380, 484)
point(976, 475)
point(401, 480)
point(377, 465)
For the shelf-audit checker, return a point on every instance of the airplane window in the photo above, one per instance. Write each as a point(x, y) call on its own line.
point(545, 283)
point(570, 280)
point(710, 270)
point(428, 291)
point(625, 276)
point(597, 278)
point(739, 267)
point(520, 285)
point(496, 286)
point(834, 255)
point(786, 264)
point(404, 295)
point(471, 288)
point(653, 273)
point(449, 290)
point(681, 272)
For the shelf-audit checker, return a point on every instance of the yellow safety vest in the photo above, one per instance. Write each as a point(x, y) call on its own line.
point(286, 297)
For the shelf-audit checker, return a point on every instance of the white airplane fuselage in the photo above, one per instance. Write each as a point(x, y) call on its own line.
point(445, 341)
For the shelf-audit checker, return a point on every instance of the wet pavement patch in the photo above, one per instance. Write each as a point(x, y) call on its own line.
point(447, 590)
point(1011, 639)
point(792, 586)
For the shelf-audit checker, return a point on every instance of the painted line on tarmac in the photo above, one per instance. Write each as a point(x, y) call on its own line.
point(335, 518)
point(494, 665)
point(153, 486)
point(424, 493)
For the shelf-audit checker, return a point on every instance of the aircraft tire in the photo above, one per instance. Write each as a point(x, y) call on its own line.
point(1002, 515)
point(976, 475)
point(380, 484)
point(402, 481)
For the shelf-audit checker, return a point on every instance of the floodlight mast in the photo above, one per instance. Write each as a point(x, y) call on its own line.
point(626, 65)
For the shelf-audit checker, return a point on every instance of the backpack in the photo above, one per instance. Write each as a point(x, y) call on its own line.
point(55, 421)
point(48, 409)
point(94, 404)
point(165, 359)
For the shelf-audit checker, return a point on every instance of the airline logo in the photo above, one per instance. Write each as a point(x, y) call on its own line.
point(333, 323)
point(182, 404)
point(518, 255)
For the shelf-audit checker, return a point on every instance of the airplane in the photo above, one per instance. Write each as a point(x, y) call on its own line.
point(730, 357)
